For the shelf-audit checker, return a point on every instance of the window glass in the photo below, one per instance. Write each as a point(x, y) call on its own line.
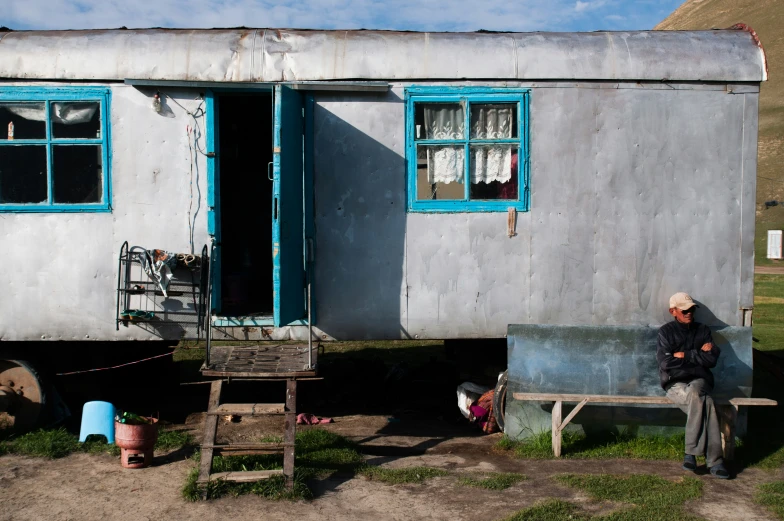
point(22, 121)
point(81, 120)
point(439, 121)
point(440, 172)
point(467, 149)
point(23, 177)
point(77, 173)
point(493, 121)
point(494, 172)
point(53, 149)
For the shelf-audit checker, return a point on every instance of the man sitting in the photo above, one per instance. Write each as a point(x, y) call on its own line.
point(686, 353)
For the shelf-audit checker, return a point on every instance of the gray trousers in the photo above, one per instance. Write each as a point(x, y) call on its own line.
point(703, 434)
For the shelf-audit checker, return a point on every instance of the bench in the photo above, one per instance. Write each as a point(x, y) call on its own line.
point(614, 368)
point(727, 409)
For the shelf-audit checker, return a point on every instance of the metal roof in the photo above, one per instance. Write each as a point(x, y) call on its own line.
point(269, 55)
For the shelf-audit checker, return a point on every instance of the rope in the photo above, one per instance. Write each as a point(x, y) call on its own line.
point(115, 366)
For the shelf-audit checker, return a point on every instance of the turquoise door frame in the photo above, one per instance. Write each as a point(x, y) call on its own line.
point(292, 206)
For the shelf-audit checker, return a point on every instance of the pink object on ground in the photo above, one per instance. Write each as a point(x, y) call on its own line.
point(311, 419)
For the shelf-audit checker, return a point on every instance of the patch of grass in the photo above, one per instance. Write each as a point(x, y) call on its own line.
point(771, 495)
point(58, 443)
point(578, 446)
point(173, 440)
point(42, 443)
point(403, 475)
point(271, 439)
point(493, 481)
point(183, 354)
point(319, 453)
point(552, 510)
point(651, 498)
point(637, 489)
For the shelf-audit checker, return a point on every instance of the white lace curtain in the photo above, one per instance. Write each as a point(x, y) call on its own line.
point(488, 163)
point(64, 113)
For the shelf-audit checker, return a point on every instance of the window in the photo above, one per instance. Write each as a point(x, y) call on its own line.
point(54, 149)
point(467, 149)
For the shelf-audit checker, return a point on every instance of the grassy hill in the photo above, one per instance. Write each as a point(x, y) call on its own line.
point(767, 19)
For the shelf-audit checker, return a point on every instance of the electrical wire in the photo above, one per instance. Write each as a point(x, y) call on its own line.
point(191, 223)
point(114, 366)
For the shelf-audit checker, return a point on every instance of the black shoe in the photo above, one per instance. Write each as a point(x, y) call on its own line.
point(690, 462)
point(719, 471)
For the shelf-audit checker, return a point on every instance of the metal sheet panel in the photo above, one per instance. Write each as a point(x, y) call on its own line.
point(269, 55)
point(748, 193)
point(563, 205)
point(466, 278)
point(667, 172)
point(60, 270)
point(360, 215)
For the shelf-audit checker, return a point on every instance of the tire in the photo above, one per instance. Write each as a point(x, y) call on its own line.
point(499, 400)
point(28, 411)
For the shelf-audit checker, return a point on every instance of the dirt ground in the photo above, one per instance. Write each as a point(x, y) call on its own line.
point(86, 487)
point(769, 270)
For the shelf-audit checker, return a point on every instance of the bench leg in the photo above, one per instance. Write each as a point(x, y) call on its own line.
point(728, 417)
point(557, 410)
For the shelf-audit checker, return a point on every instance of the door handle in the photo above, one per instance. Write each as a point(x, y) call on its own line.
point(269, 174)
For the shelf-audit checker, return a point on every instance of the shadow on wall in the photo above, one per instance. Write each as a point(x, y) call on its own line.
point(360, 215)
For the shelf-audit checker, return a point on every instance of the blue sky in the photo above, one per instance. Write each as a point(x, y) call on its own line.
point(419, 15)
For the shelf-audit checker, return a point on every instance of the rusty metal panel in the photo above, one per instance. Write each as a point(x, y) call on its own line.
point(272, 55)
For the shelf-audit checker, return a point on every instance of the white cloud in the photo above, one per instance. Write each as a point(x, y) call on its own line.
point(589, 5)
point(433, 15)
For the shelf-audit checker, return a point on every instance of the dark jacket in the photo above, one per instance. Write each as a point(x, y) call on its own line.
point(689, 338)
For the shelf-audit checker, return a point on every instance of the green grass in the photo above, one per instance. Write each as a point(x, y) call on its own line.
point(58, 443)
point(493, 481)
point(551, 510)
point(769, 316)
point(403, 475)
point(645, 497)
point(578, 446)
point(642, 498)
point(55, 443)
point(173, 440)
point(771, 495)
point(320, 453)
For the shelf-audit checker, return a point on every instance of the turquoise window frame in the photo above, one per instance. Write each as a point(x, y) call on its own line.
point(466, 96)
point(47, 95)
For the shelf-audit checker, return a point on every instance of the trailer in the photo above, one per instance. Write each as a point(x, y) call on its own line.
point(298, 185)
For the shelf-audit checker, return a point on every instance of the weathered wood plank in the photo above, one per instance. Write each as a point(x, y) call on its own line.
point(572, 414)
point(245, 476)
point(556, 430)
point(599, 398)
point(290, 432)
point(210, 430)
point(248, 409)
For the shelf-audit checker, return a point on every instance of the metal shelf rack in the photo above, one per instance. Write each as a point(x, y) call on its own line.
point(141, 302)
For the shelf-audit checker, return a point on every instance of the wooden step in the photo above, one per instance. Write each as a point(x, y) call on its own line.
point(246, 449)
point(245, 476)
point(247, 409)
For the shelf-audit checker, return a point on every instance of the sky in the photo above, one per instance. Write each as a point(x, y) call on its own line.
point(416, 15)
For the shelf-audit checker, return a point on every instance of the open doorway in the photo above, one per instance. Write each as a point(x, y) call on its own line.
point(246, 135)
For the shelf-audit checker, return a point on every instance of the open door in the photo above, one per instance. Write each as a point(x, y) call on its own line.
point(288, 209)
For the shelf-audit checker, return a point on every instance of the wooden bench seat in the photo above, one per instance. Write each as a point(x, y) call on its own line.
point(727, 408)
